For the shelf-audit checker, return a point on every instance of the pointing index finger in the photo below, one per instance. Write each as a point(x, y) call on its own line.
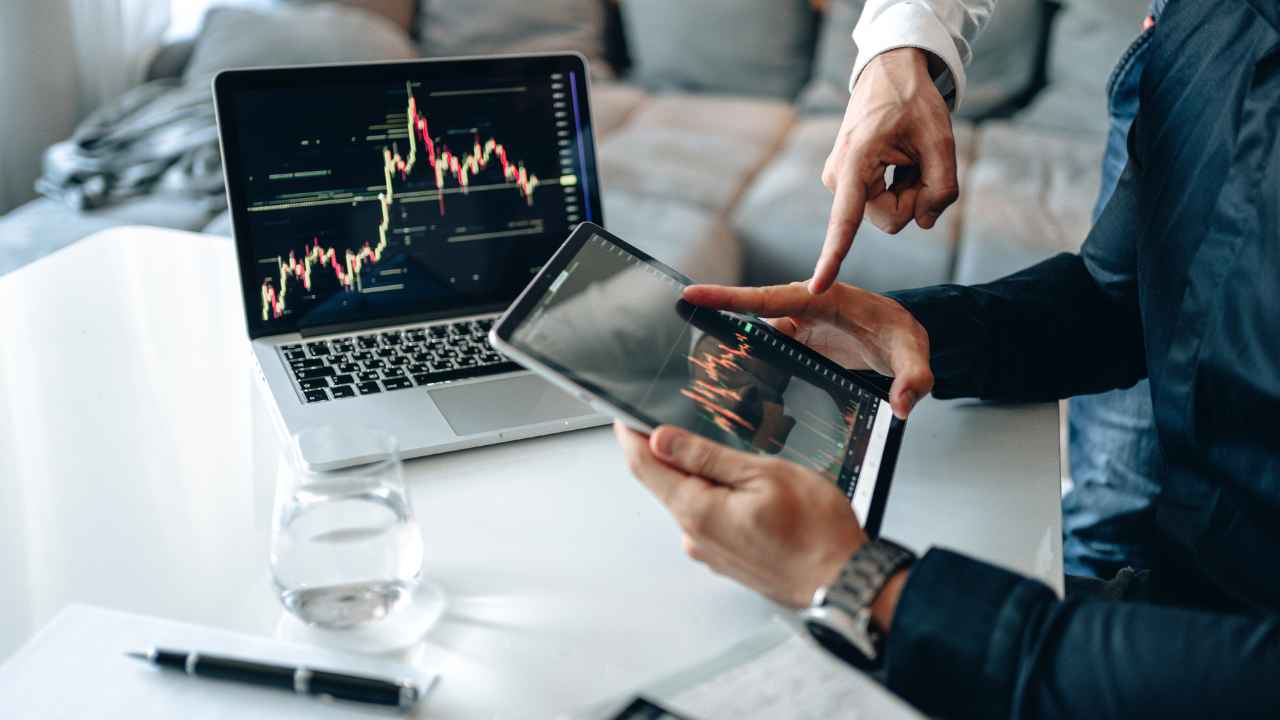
point(846, 216)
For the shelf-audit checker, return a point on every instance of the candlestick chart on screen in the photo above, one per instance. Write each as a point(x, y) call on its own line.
point(720, 387)
point(409, 193)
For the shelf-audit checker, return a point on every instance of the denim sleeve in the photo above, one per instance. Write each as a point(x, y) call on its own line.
point(971, 640)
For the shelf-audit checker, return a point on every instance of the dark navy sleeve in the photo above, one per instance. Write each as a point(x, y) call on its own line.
point(970, 640)
point(1067, 326)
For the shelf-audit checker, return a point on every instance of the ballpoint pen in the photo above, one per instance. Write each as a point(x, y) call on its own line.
point(301, 680)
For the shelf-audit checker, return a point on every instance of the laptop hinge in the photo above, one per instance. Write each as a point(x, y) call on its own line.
point(316, 330)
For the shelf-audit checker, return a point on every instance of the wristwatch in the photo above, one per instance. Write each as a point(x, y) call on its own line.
point(839, 617)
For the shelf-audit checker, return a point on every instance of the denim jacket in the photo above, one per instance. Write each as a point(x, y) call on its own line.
point(1179, 281)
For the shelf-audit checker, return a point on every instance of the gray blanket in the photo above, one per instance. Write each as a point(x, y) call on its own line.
point(158, 137)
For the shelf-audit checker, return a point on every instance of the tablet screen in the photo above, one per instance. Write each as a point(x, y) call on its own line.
point(614, 323)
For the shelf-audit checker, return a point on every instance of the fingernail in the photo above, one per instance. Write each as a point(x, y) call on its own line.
point(667, 442)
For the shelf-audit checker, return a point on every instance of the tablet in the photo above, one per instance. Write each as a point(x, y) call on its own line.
point(606, 322)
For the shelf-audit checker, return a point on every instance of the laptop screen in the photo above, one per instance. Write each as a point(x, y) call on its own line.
point(398, 191)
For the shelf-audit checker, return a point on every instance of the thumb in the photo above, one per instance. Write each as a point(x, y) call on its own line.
point(912, 380)
point(696, 455)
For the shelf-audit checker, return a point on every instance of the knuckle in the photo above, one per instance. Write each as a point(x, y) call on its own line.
point(634, 464)
point(840, 227)
point(758, 470)
point(771, 468)
point(693, 517)
point(886, 223)
point(702, 457)
point(926, 378)
point(948, 191)
point(694, 550)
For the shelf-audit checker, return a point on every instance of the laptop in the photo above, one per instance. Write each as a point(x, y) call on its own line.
point(384, 214)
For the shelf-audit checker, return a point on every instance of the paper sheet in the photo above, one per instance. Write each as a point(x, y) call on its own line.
point(76, 668)
point(775, 674)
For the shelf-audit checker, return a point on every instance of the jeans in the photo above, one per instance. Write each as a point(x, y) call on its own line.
point(1107, 517)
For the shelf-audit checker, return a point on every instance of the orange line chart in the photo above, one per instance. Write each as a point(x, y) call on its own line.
point(715, 399)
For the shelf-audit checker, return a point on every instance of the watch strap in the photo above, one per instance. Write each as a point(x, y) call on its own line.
point(840, 615)
point(865, 574)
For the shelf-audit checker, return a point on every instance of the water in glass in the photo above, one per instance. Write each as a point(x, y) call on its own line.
point(346, 549)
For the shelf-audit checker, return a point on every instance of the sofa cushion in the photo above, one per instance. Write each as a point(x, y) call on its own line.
point(690, 239)
point(1005, 58)
point(477, 27)
point(612, 105)
point(782, 221)
point(401, 12)
point(1088, 38)
point(698, 149)
point(43, 226)
point(293, 35)
point(738, 47)
point(828, 87)
point(1028, 196)
point(219, 225)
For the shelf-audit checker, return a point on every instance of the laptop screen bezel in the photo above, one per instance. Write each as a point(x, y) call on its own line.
point(230, 84)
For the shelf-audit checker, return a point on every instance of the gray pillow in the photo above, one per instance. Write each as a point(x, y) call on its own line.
point(1089, 36)
point(1003, 68)
point(828, 89)
point(293, 35)
point(740, 47)
point(1004, 57)
point(400, 12)
point(480, 27)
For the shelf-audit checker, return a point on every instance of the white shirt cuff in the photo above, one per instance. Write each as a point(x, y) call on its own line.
point(908, 24)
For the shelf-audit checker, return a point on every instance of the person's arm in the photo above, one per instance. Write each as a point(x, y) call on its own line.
point(971, 640)
point(909, 69)
point(963, 638)
point(1067, 326)
point(945, 29)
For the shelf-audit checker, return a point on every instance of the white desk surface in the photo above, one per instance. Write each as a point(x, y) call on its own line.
point(137, 470)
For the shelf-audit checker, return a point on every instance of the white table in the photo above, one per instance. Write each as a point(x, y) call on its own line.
point(137, 466)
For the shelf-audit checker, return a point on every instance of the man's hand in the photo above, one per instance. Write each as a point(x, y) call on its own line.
point(856, 328)
point(895, 117)
point(772, 525)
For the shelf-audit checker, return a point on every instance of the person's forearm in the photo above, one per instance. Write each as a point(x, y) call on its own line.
point(945, 29)
point(970, 640)
point(1044, 333)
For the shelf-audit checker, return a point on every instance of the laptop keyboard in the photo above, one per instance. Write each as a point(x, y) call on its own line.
point(385, 361)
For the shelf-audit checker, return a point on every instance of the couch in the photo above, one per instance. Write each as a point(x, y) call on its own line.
point(714, 120)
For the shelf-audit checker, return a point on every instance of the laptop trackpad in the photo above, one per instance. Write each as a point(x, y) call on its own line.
point(507, 403)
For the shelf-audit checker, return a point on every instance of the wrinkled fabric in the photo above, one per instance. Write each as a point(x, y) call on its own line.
point(158, 137)
point(1177, 282)
point(1108, 516)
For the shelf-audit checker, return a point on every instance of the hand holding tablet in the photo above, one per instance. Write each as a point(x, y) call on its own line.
point(613, 326)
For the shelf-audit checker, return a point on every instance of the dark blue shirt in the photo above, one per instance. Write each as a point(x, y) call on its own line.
point(1178, 281)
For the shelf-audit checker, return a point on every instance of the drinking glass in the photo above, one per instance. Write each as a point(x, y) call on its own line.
point(346, 551)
